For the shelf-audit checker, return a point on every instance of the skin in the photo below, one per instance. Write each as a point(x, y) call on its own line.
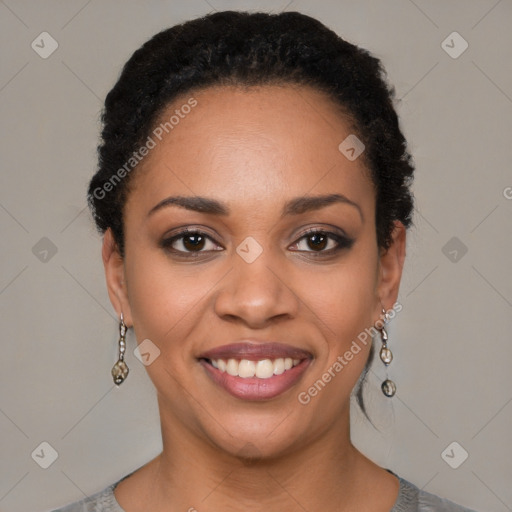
point(254, 149)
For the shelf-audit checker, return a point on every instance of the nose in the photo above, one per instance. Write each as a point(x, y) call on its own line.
point(256, 294)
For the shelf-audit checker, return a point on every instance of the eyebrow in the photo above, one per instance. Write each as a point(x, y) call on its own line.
point(295, 206)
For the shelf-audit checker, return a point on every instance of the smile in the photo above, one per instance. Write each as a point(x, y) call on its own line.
point(262, 369)
point(253, 371)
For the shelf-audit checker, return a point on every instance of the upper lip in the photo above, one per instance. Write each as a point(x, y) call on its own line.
point(255, 350)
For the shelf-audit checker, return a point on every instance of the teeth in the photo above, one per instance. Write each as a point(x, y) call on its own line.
point(232, 367)
point(278, 366)
point(263, 369)
point(246, 368)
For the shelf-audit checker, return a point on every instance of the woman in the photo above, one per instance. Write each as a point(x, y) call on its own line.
point(254, 194)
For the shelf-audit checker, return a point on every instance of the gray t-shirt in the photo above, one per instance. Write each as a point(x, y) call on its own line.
point(410, 499)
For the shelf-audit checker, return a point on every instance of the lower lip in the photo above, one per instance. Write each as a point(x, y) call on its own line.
point(254, 388)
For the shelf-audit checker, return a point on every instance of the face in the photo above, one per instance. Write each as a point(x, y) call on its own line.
point(276, 266)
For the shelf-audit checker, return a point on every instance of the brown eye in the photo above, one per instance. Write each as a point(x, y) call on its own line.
point(317, 241)
point(189, 242)
point(320, 242)
point(193, 242)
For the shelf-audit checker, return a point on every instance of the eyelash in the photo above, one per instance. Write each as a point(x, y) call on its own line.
point(342, 242)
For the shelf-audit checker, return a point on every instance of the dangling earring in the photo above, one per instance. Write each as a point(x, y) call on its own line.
point(120, 369)
point(386, 356)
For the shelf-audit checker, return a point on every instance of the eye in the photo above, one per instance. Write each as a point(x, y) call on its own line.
point(190, 241)
point(321, 241)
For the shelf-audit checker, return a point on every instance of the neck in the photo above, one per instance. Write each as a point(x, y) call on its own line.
point(192, 473)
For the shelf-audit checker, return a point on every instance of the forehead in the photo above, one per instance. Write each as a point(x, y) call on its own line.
point(260, 142)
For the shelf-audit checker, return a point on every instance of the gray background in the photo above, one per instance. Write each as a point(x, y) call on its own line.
point(452, 341)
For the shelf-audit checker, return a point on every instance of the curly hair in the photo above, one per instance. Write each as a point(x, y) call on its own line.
point(248, 49)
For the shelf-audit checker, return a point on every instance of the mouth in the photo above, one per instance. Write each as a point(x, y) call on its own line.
point(255, 371)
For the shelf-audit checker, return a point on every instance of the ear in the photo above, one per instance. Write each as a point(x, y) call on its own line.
point(115, 277)
point(391, 263)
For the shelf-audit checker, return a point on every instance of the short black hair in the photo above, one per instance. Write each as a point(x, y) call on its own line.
point(247, 49)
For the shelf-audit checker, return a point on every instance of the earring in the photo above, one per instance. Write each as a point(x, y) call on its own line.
point(120, 369)
point(386, 356)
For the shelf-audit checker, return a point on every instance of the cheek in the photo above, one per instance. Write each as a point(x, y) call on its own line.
point(161, 299)
point(165, 305)
point(345, 299)
point(343, 302)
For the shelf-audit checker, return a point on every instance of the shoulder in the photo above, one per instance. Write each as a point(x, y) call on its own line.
point(102, 501)
point(412, 499)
